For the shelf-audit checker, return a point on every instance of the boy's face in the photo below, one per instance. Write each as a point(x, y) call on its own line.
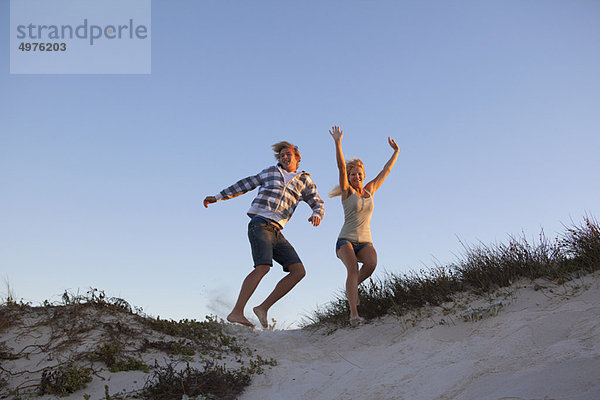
point(288, 159)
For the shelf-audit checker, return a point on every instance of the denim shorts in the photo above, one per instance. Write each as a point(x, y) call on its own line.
point(357, 246)
point(268, 244)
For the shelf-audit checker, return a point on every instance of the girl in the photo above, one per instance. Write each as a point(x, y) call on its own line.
point(354, 243)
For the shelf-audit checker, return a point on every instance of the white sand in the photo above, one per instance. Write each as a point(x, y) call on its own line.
point(519, 344)
point(537, 345)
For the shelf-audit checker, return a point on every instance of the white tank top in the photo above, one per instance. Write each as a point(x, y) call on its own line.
point(357, 218)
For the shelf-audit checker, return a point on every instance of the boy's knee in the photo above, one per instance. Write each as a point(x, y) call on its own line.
point(262, 269)
point(302, 273)
point(297, 270)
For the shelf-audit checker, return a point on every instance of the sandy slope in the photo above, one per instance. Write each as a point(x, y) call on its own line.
point(528, 344)
point(520, 343)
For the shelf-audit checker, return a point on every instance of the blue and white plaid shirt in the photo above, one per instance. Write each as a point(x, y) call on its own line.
point(277, 199)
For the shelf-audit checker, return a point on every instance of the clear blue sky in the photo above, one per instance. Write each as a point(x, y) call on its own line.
point(495, 106)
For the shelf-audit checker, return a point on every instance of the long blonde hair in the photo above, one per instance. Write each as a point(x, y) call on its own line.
point(350, 165)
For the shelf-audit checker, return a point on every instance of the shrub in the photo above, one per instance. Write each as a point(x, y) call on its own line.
point(208, 333)
point(64, 380)
point(213, 381)
point(110, 354)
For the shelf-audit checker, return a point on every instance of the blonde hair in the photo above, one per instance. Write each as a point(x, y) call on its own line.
point(277, 147)
point(350, 165)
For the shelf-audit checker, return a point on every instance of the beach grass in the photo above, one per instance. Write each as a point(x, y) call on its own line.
point(199, 354)
point(89, 336)
point(480, 269)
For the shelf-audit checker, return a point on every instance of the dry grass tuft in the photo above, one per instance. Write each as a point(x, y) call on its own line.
point(92, 336)
point(481, 270)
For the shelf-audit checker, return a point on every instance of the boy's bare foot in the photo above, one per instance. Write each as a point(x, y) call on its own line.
point(262, 316)
point(239, 319)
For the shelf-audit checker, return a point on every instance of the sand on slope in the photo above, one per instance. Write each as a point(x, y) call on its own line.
point(533, 340)
point(530, 341)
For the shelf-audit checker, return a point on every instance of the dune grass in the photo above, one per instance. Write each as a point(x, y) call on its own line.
point(93, 335)
point(481, 269)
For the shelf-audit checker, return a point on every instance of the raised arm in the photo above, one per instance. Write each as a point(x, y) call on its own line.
point(376, 183)
point(337, 135)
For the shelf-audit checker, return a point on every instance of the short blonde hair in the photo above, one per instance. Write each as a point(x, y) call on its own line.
point(350, 165)
point(277, 147)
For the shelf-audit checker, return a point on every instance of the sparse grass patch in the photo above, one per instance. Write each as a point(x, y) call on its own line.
point(482, 269)
point(208, 333)
point(73, 329)
point(64, 380)
point(257, 365)
point(107, 353)
point(213, 382)
point(3, 381)
point(581, 245)
point(129, 364)
point(5, 353)
point(180, 347)
point(10, 313)
point(110, 354)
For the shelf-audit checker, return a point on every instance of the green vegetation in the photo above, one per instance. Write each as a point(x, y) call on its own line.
point(64, 380)
point(481, 270)
point(204, 348)
point(212, 382)
point(110, 354)
point(127, 334)
point(180, 347)
point(208, 333)
point(3, 381)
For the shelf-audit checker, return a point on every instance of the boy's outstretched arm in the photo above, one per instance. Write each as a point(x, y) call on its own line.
point(237, 189)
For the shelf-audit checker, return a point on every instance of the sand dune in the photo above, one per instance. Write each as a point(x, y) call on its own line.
point(521, 344)
point(530, 341)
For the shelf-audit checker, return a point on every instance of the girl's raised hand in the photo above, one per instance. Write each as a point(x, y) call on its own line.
point(393, 144)
point(337, 134)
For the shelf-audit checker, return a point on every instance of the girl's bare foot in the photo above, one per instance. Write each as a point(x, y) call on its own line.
point(355, 321)
point(262, 316)
point(239, 319)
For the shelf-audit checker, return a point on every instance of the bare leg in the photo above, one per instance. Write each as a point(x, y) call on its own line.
point(248, 287)
point(286, 284)
point(346, 254)
point(367, 256)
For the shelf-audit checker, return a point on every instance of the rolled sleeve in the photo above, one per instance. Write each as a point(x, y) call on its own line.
point(311, 196)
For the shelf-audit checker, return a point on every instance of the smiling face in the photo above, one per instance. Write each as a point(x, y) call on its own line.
point(288, 159)
point(356, 176)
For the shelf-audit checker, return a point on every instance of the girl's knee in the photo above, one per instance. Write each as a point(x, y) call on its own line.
point(369, 268)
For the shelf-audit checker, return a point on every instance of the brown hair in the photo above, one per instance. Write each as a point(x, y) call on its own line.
point(277, 147)
point(350, 165)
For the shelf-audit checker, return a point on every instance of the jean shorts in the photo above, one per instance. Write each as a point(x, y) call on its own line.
point(268, 244)
point(357, 246)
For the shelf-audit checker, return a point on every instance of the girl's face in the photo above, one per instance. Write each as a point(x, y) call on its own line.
point(356, 177)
